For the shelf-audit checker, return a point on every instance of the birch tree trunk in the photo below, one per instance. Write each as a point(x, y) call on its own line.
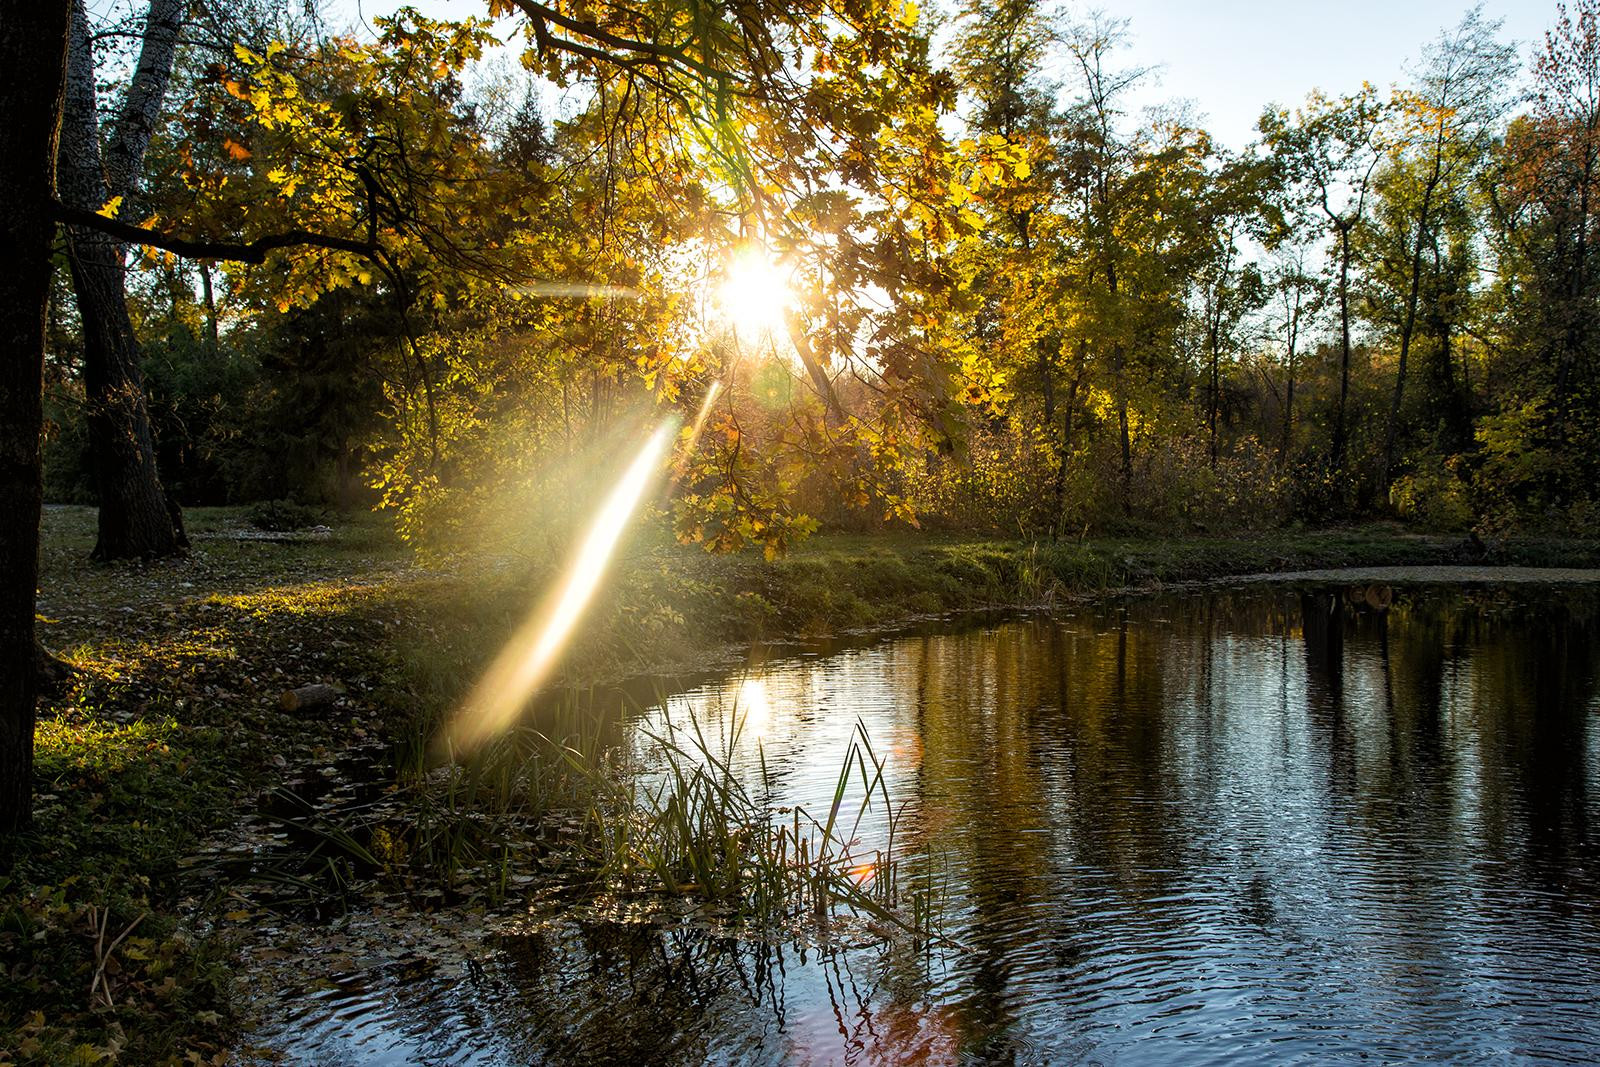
point(137, 519)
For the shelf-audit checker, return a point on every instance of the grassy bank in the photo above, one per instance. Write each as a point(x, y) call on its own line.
point(111, 949)
point(668, 607)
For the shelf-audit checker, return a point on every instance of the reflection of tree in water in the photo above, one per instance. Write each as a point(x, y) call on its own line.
point(981, 781)
point(1533, 672)
point(626, 992)
point(1486, 703)
point(597, 992)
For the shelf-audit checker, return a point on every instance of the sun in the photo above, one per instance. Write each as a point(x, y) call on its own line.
point(755, 296)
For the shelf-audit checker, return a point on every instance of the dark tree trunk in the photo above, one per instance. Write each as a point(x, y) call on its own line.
point(1288, 419)
point(1214, 395)
point(1337, 460)
point(1066, 451)
point(1124, 434)
point(33, 38)
point(215, 345)
point(1408, 326)
point(1288, 398)
point(137, 519)
point(1450, 395)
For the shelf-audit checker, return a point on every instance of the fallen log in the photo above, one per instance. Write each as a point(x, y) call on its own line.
point(308, 696)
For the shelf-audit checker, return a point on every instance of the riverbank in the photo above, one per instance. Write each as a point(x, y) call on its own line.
point(113, 947)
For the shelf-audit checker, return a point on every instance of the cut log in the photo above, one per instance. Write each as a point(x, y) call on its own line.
point(308, 696)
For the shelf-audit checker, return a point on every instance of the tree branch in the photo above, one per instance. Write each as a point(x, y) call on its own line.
point(232, 251)
point(542, 15)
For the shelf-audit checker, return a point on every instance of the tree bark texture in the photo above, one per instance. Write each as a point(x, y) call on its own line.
point(136, 517)
point(33, 36)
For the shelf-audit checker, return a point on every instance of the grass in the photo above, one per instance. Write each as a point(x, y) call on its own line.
point(693, 827)
point(170, 743)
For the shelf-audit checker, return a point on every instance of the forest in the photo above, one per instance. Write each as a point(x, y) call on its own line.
point(966, 290)
point(815, 283)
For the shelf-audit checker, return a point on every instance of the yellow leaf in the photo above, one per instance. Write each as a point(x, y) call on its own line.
point(109, 209)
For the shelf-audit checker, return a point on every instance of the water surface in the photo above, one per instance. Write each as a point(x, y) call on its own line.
point(1259, 823)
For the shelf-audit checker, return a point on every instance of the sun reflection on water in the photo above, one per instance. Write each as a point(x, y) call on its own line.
point(753, 708)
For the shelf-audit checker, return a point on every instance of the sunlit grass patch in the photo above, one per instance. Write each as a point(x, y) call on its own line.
point(119, 659)
point(334, 597)
point(83, 744)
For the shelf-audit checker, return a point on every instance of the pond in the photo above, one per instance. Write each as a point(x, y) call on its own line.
point(1246, 823)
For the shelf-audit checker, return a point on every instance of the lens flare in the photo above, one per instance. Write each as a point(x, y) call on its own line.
point(527, 658)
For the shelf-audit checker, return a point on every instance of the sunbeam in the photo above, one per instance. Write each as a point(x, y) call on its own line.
point(527, 658)
point(581, 290)
point(700, 419)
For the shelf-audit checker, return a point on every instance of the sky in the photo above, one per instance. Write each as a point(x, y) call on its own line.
point(1231, 58)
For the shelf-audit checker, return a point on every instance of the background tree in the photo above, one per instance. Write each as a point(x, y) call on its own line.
point(1444, 126)
point(1329, 150)
point(1539, 456)
point(1013, 266)
point(1297, 296)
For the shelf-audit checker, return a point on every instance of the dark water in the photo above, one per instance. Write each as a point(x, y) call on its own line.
point(1238, 825)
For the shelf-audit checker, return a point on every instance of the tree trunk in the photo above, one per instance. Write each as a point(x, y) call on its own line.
point(1127, 447)
point(214, 345)
point(1450, 396)
point(1288, 399)
point(1066, 450)
point(1047, 389)
point(33, 39)
point(1337, 463)
point(1408, 326)
point(137, 519)
point(1215, 390)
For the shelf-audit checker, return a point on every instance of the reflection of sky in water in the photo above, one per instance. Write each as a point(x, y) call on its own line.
point(1249, 826)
